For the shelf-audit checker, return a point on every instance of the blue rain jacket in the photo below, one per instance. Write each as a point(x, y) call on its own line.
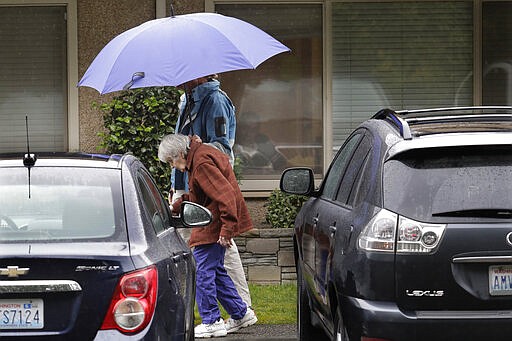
point(213, 119)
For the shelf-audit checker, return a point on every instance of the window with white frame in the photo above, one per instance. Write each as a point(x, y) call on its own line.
point(401, 55)
point(279, 104)
point(33, 78)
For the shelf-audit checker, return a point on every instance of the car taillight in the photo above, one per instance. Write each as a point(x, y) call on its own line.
point(417, 237)
point(133, 302)
point(412, 236)
point(379, 234)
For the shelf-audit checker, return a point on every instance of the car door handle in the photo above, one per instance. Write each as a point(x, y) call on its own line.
point(177, 258)
point(180, 256)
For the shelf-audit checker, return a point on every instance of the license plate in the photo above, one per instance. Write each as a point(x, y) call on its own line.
point(21, 314)
point(500, 280)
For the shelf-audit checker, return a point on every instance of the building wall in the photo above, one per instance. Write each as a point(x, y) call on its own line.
point(186, 6)
point(98, 22)
point(267, 256)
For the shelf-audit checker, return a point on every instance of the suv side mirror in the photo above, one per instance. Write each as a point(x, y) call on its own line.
point(195, 215)
point(297, 181)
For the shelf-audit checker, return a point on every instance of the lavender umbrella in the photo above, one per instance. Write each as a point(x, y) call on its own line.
point(173, 50)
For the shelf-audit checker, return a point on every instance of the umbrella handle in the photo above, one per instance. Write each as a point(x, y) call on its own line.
point(172, 9)
point(130, 83)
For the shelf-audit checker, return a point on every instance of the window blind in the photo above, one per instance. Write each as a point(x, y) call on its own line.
point(401, 55)
point(33, 78)
point(497, 53)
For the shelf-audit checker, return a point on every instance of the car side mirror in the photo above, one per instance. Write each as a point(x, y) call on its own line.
point(194, 215)
point(297, 181)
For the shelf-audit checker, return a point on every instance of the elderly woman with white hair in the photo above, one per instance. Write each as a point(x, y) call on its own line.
point(212, 183)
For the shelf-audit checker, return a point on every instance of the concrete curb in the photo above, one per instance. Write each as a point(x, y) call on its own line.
point(263, 332)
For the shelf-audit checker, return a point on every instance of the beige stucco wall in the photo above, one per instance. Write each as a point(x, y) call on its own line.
point(186, 6)
point(98, 22)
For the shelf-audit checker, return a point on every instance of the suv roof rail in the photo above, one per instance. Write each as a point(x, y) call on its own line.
point(405, 119)
point(468, 114)
point(392, 117)
point(460, 109)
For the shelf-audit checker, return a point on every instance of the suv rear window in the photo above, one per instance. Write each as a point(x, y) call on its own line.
point(59, 203)
point(450, 184)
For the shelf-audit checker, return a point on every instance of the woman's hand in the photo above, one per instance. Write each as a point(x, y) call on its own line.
point(224, 242)
point(195, 138)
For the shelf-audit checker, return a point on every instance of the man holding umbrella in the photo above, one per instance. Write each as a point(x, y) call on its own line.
point(207, 111)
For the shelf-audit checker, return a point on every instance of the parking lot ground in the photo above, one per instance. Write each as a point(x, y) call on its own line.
point(264, 332)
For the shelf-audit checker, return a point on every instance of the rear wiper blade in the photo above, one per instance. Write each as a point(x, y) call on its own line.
point(481, 212)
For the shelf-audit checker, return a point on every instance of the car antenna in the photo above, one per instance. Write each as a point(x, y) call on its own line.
point(29, 160)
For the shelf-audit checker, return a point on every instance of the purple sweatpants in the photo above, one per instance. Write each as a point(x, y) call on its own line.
point(213, 283)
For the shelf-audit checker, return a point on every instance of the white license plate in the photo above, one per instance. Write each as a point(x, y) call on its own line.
point(500, 280)
point(21, 314)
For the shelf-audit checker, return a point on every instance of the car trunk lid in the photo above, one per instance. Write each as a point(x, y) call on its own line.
point(61, 289)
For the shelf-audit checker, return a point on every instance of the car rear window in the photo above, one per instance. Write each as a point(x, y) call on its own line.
point(450, 184)
point(59, 203)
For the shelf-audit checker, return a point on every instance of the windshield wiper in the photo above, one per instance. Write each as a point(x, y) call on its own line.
point(480, 212)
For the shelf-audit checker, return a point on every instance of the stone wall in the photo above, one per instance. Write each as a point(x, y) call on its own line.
point(267, 255)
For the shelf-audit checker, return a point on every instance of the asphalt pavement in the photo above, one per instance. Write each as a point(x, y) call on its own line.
point(263, 332)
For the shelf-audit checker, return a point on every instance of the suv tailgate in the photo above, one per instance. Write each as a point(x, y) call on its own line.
point(466, 192)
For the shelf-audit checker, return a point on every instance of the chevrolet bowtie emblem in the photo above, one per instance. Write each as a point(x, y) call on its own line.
point(13, 271)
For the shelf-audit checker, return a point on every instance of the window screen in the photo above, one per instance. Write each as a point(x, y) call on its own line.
point(33, 78)
point(402, 55)
point(279, 105)
point(497, 53)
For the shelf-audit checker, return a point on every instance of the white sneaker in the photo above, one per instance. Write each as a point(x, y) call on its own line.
point(215, 329)
point(248, 320)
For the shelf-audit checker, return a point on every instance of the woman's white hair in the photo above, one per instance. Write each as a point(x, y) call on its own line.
point(172, 147)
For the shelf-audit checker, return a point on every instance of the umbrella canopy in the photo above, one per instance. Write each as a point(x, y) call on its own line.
point(173, 50)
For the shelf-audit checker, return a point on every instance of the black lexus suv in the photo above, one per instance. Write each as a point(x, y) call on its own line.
point(409, 236)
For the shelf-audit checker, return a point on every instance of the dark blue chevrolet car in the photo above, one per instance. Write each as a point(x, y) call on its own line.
point(89, 251)
point(409, 236)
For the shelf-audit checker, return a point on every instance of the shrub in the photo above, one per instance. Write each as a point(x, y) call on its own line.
point(135, 121)
point(282, 208)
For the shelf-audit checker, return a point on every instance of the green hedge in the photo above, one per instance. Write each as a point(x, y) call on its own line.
point(135, 121)
point(282, 208)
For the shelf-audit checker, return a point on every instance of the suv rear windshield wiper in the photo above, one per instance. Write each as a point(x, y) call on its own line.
point(481, 212)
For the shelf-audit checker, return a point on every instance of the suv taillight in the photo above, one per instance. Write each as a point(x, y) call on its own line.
point(418, 237)
point(413, 237)
point(379, 234)
point(133, 302)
